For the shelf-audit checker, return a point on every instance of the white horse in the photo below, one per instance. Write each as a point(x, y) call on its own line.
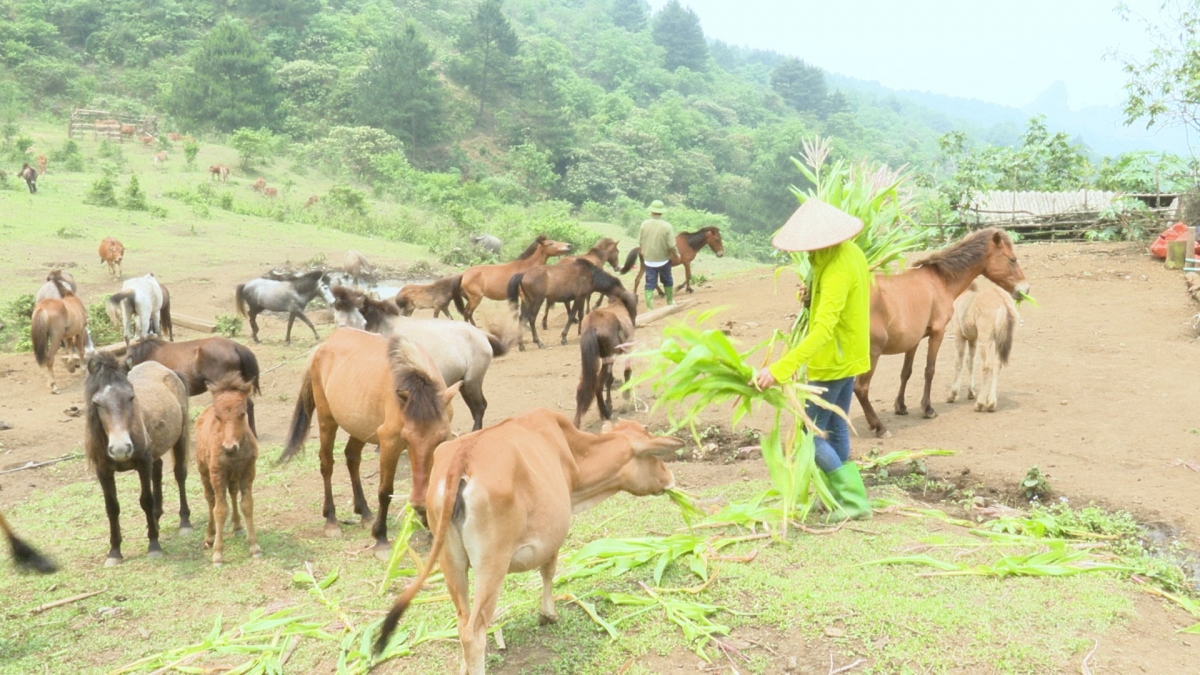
point(140, 298)
point(984, 316)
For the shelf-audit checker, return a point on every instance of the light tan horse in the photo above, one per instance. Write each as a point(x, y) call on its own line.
point(985, 317)
point(56, 320)
point(919, 302)
point(380, 390)
point(226, 456)
point(491, 281)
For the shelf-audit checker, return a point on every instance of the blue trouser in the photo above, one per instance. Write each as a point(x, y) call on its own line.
point(834, 450)
point(654, 274)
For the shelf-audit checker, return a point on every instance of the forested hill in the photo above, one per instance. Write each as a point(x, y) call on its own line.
point(595, 102)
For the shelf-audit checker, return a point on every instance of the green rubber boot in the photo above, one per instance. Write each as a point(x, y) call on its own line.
point(649, 299)
point(670, 295)
point(847, 486)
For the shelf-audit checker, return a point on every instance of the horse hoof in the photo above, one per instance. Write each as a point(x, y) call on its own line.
point(154, 554)
point(522, 347)
point(902, 411)
point(883, 433)
point(544, 620)
point(971, 395)
point(383, 551)
point(930, 414)
point(217, 563)
point(185, 530)
point(112, 562)
point(541, 346)
point(333, 531)
point(256, 552)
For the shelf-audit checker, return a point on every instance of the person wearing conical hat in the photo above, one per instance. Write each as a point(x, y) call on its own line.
point(837, 347)
point(657, 239)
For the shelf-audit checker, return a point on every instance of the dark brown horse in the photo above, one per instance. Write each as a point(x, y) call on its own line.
point(919, 302)
point(133, 419)
point(573, 283)
point(25, 556)
point(491, 281)
point(689, 244)
point(199, 362)
point(607, 332)
point(29, 174)
point(603, 251)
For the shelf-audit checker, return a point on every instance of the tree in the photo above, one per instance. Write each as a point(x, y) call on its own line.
point(488, 44)
point(629, 14)
point(399, 91)
point(230, 83)
point(801, 86)
point(252, 146)
point(546, 113)
point(1163, 89)
point(677, 30)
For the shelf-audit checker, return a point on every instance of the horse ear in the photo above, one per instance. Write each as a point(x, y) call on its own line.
point(93, 365)
point(998, 237)
point(128, 363)
point(451, 392)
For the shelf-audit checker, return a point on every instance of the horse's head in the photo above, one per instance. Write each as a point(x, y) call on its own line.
point(347, 305)
point(425, 400)
point(231, 401)
point(111, 406)
point(553, 248)
point(713, 238)
point(1002, 267)
point(607, 248)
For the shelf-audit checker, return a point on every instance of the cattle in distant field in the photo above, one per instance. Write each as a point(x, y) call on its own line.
point(270, 192)
point(159, 158)
point(41, 162)
point(174, 137)
point(147, 140)
point(219, 172)
point(259, 185)
point(311, 201)
point(112, 253)
point(128, 130)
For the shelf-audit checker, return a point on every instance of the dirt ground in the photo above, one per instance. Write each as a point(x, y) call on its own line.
point(1100, 394)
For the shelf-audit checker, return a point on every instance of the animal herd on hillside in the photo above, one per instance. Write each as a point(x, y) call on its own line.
point(388, 378)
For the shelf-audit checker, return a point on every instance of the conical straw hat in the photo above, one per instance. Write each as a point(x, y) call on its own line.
point(816, 225)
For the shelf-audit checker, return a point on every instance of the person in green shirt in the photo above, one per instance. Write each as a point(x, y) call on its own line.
point(657, 240)
point(837, 347)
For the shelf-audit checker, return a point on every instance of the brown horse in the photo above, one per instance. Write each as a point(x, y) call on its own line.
point(607, 332)
point(919, 303)
point(55, 320)
point(689, 244)
point(226, 454)
point(380, 390)
point(133, 420)
point(112, 253)
point(50, 288)
point(29, 175)
point(435, 296)
point(569, 284)
point(25, 556)
point(491, 281)
point(199, 362)
point(603, 251)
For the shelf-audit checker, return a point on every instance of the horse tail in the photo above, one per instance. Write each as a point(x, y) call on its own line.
point(1007, 324)
point(631, 259)
point(164, 318)
point(115, 305)
point(40, 330)
point(247, 365)
point(514, 289)
point(239, 297)
point(301, 418)
point(456, 295)
point(589, 351)
point(499, 347)
point(25, 555)
point(452, 509)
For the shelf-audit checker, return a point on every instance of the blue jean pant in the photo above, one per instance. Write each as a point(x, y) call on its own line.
point(656, 274)
point(834, 450)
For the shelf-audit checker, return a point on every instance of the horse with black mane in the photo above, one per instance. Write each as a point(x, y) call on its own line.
point(133, 419)
point(603, 251)
point(689, 244)
point(289, 295)
point(573, 282)
point(200, 362)
point(607, 333)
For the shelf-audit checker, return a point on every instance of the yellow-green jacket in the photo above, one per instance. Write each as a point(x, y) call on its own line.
point(838, 344)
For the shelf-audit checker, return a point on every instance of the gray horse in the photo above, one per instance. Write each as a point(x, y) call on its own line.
point(280, 295)
point(462, 352)
point(50, 289)
point(487, 242)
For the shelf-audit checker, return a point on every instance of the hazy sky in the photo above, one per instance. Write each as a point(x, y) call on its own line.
point(1004, 52)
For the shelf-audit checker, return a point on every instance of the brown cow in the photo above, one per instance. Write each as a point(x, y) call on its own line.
point(127, 130)
point(159, 158)
point(270, 192)
point(172, 136)
point(259, 185)
point(219, 172)
point(147, 140)
point(311, 200)
point(500, 500)
point(112, 252)
point(41, 162)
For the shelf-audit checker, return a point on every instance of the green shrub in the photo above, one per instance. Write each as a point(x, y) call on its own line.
point(67, 232)
point(102, 328)
point(68, 157)
point(190, 150)
point(229, 325)
point(101, 192)
point(133, 198)
point(348, 199)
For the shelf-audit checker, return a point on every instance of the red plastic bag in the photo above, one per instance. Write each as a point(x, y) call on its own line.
point(1174, 233)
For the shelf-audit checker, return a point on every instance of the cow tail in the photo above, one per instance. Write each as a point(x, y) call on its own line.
point(631, 259)
point(452, 507)
point(239, 297)
point(301, 418)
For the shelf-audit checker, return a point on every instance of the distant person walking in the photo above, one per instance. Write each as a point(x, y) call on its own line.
point(838, 344)
point(657, 240)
